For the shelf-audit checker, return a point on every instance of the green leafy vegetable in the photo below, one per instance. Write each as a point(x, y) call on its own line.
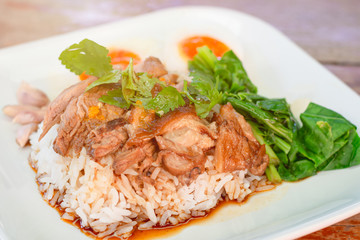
point(262, 116)
point(116, 98)
point(203, 91)
point(212, 77)
point(167, 99)
point(87, 56)
point(111, 77)
point(326, 141)
point(302, 168)
point(272, 174)
point(233, 77)
point(136, 88)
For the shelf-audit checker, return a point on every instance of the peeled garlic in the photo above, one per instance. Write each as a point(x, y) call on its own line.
point(27, 95)
point(13, 110)
point(29, 117)
point(24, 132)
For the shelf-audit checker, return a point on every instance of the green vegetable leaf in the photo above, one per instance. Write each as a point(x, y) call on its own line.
point(128, 82)
point(229, 69)
point(167, 99)
point(264, 117)
point(300, 169)
point(348, 155)
point(116, 98)
point(211, 77)
point(145, 84)
point(272, 174)
point(137, 87)
point(326, 141)
point(113, 76)
point(87, 56)
point(323, 133)
point(207, 98)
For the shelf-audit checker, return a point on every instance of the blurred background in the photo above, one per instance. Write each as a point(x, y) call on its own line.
point(329, 30)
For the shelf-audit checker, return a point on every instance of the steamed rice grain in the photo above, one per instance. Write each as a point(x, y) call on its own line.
point(116, 206)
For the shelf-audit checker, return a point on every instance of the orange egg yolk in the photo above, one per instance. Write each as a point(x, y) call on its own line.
point(122, 57)
point(189, 46)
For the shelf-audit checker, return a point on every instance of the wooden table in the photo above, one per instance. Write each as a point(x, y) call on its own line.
point(329, 30)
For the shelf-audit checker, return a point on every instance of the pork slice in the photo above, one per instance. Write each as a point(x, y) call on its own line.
point(58, 106)
point(260, 161)
point(232, 150)
point(76, 122)
point(123, 160)
point(174, 163)
point(238, 122)
point(153, 67)
point(140, 117)
point(176, 119)
point(171, 78)
point(107, 138)
point(151, 151)
point(191, 135)
point(236, 147)
point(166, 144)
point(180, 132)
point(70, 125)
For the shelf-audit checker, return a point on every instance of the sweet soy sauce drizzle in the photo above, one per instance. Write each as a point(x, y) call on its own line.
point(187, 48)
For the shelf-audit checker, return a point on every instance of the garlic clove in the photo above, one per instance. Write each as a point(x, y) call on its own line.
point(27, 117)
point(24, 132)
point(13, 110)
point(27, 95)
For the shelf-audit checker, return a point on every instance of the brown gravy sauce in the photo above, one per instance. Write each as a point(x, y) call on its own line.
point(157, 232)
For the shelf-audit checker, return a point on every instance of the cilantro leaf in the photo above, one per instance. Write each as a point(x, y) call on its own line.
point(128, 82)
point(116, 98)
point(87, 56)
point(111, 77)
point(92, 58)
point(208, 98)
point(145, 84)
point(167, 99)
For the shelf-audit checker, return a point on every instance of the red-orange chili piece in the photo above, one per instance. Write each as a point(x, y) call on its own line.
point(189, 45)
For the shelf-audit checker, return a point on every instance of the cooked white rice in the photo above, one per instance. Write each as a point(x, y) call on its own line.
point(113, 206)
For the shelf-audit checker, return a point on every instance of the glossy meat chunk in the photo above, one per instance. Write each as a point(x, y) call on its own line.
point(176, 164)
point(123, 160)
point(153, 67)
point(77, 122)
point(183, 140)
point(236, 147)
point(60, 103)
point(127, 157)
point(107, 138)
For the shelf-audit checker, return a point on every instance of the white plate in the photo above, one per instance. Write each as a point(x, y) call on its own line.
point(277, 66)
